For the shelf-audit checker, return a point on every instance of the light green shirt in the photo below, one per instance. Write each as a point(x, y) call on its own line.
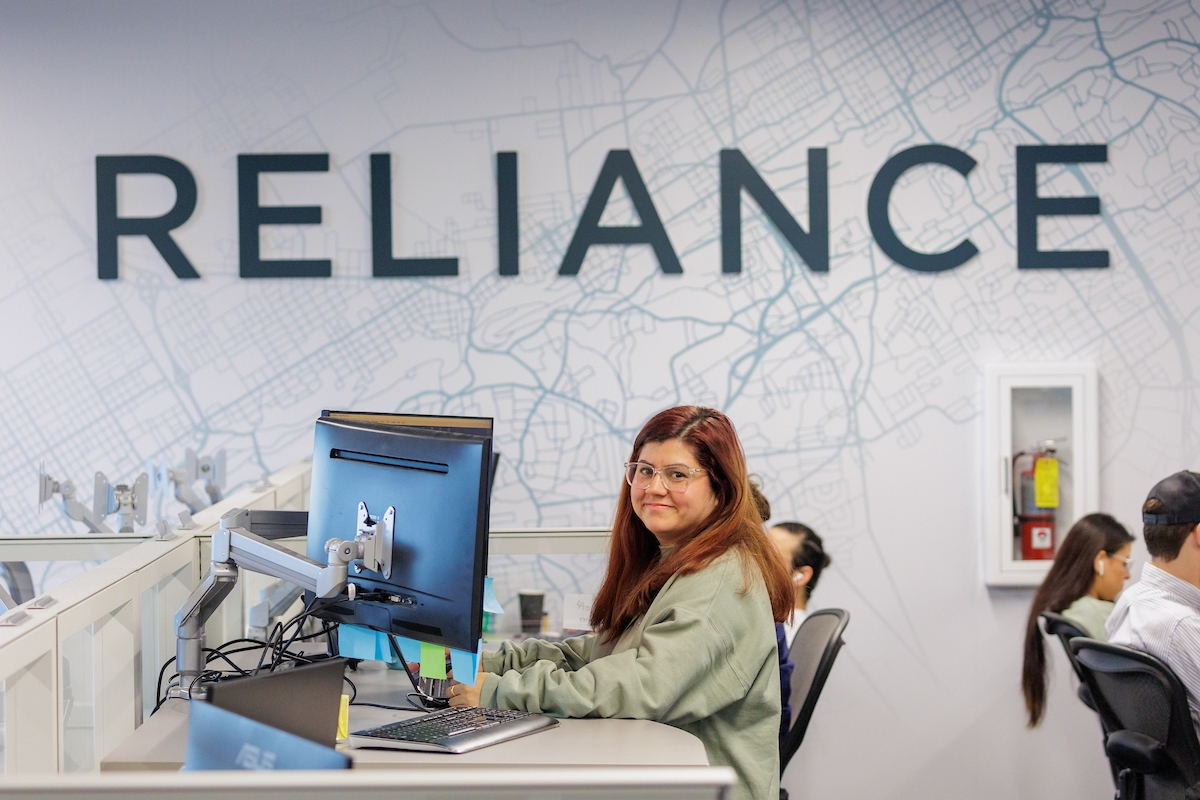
point(1090, 614)
point(702, 658)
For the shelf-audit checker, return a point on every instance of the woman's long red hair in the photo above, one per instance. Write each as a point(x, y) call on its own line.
point(635, 570)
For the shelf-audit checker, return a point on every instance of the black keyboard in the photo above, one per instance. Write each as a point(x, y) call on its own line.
point(453, 730)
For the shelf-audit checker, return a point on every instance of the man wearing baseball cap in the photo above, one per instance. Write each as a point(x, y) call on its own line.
point(1160, 614)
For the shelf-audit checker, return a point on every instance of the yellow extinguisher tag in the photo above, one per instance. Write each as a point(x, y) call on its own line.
point(1045, 483)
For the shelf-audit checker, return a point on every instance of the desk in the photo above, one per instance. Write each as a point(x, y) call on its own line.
point(160, 743)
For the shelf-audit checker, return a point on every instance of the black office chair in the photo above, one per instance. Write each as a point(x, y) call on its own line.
point(1144, 710)
point(812, 652)
point(1066, 630)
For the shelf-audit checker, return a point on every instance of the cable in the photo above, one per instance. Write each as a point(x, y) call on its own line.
point(274, 643)
point(381, 705)
point(218, 654)
point(271, 638)
point(298, 621)
point(426, 701)
point(158, 697)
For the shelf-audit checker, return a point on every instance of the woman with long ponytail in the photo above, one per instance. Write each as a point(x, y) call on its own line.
point(1088, 573)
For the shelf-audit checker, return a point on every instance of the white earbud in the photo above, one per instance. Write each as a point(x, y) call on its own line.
point(1100, 567)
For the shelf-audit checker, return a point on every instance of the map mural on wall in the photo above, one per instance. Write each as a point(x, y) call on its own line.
point(813, 367)
point(821, 372)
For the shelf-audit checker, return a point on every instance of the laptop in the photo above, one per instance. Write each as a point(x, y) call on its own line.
point(220, 739)
point(303, 700)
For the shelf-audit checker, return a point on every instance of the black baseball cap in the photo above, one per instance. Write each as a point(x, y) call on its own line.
point(1180, 493)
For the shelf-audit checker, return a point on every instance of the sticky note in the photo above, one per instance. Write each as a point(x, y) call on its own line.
point(343, 731)
point(466, 665)
point(356, 642)
point(1045, 483)
point(433, 661)
point(490, 603)
point(577, 612)
point(409, 648)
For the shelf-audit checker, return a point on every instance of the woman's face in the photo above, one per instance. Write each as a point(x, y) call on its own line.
point(672, 516)
point(1116, 572)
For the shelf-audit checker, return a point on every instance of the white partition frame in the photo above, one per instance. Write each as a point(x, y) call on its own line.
point(438, 783)
point(100, 615)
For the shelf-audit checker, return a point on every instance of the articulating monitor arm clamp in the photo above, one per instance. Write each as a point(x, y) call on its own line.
point(235, 545)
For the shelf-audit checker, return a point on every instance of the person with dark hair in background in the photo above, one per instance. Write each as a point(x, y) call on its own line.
point(1089, 571)
point(800, 545)
point(684, 613)
point(1160, 614)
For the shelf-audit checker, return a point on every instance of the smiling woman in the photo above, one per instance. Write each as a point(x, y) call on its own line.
point(685, 616)
point(672, 501)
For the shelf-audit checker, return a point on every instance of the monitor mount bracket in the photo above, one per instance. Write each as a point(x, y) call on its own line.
point(373, 542)
point(48, 487)
point(235, 545)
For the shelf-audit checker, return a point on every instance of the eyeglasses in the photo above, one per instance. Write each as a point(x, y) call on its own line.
point(675, 477)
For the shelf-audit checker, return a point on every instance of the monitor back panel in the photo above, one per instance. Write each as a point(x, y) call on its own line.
point(437, 481)
point(303, 700)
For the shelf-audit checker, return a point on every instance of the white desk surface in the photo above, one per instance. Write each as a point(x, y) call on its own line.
point(160, 743)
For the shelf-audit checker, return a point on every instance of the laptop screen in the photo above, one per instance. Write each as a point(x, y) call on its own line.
point(302, 700)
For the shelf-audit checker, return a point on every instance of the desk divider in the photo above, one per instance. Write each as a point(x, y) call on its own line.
point(78, 676)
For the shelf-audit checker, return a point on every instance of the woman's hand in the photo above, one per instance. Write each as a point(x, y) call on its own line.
point(462, 694)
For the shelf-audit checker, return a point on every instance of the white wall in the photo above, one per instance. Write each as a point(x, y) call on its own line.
point(857, 392)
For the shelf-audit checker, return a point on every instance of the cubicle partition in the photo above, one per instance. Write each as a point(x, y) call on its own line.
point(80, 664)
point(447, 783)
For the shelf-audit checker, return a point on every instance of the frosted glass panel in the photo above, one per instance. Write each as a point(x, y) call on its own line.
point(3, 727)
point(159, 604)
point(556, 575)
point(79, 721)
point(100, 688)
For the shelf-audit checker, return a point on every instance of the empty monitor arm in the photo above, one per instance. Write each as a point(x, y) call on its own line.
point(234, 545)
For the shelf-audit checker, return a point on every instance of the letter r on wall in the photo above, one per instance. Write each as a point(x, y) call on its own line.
point(110, 227)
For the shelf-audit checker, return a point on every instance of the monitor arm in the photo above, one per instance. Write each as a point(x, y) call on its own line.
point(235, 545)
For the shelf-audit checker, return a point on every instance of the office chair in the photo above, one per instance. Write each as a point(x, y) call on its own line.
point(813, 652)
point(1061, 627)
point(1066, 630)
point(1144, 710)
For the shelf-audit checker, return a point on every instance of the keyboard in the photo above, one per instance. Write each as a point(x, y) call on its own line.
point(453, 730)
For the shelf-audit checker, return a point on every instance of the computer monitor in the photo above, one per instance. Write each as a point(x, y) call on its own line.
point(436, 472)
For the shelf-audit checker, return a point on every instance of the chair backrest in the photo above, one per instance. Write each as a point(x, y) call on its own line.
point(1065, 630)
point(1136, 692)
point(812, 652)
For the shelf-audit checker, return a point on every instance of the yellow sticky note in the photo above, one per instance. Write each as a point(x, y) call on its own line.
point(344, 718)
point(433, 661)
point(1045, 483)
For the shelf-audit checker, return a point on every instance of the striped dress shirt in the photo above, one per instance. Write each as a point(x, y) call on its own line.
point(1160, 615)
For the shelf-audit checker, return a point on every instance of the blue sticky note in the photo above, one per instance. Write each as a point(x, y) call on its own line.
point(490, 603)
point(409, 648)
point(356, 642)
point(466, 665)
point(383, 650)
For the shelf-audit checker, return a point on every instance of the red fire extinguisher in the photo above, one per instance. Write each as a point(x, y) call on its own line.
point(1035, 501)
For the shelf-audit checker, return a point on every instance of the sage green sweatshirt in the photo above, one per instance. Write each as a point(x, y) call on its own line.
point(702, 658)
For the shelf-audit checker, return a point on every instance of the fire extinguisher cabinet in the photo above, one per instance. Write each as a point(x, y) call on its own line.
point(1042, 468)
